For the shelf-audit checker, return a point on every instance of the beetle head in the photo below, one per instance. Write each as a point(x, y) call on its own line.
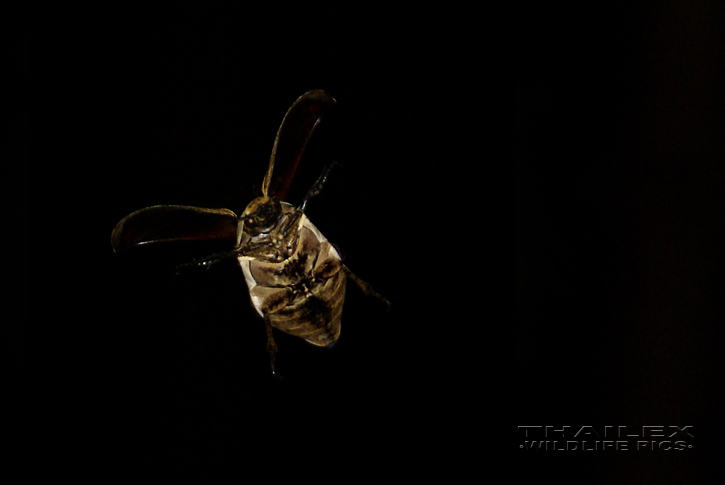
point(261, 215)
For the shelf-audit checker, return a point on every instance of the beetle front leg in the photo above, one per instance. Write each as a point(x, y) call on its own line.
point(208, 261)
point(366, 287)
point(317, 186)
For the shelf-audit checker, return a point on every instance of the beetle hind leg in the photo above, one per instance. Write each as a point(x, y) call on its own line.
point(271, 348)
point(366, 287)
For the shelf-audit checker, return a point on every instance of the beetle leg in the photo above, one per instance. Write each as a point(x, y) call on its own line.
point(366, 287)
point(317, 186)
point(207, 261)
point(271, 347)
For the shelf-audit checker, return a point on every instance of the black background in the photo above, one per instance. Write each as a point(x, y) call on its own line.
point(619, 232)
point(133, 370)
point(127, 369)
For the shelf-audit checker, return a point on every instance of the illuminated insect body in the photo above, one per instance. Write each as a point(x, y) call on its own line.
point(295, 277)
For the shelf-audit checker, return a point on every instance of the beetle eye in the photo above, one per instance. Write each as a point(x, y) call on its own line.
point(262, 216)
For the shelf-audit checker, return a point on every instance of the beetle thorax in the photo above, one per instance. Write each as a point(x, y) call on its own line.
point(268, 229)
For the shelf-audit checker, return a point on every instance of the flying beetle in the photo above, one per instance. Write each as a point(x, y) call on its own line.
point(296, 278)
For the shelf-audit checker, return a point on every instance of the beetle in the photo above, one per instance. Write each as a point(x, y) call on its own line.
point(295, 276)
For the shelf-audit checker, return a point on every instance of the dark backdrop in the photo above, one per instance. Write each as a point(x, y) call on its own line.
point(619, 231)
point(127, 368)
point(133, 369)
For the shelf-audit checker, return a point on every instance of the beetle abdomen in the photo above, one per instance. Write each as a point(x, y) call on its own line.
point(304, 294)
point(314, 317)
